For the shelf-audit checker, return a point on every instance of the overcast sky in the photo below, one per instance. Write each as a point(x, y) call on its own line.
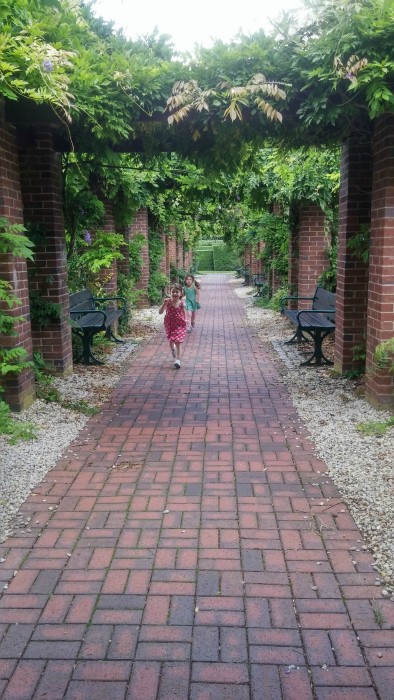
point(192, 23)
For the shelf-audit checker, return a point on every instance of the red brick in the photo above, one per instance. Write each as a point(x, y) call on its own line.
point(24, 680)
point(144, 681)
point(102, 670)
point(220, 673)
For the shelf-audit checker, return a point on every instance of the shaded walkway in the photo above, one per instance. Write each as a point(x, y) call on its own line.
point(187, 549)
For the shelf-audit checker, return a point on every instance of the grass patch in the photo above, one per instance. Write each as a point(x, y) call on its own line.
point(375, 427)
point(80, 406)
point(15, 430)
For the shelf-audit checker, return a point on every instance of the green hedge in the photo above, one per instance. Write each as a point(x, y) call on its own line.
point(205, 259)
point(218, 258)
point(224, 258)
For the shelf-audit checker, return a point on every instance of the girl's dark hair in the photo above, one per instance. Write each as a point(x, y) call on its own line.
point(189, 274)
point(178, 287)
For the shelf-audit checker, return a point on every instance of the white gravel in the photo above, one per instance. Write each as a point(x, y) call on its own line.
point(360, 466)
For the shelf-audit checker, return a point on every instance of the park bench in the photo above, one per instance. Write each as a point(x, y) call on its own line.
point(260, 282)
point(317, 321)
point(244, 272)
point(87, 319)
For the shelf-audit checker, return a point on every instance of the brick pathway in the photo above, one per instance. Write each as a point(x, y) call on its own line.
point(187, 550)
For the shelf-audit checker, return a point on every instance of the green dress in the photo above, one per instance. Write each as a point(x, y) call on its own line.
point(191, 304)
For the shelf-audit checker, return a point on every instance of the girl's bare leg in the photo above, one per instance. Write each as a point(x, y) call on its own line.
point(193, 319)
point(178, 350)
point(189, 316)
point(173, 348)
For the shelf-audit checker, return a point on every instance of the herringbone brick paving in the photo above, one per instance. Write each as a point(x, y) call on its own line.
point(190, 551)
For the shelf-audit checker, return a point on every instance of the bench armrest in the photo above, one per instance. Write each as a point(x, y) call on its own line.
point(293, 298)
point(102, 299)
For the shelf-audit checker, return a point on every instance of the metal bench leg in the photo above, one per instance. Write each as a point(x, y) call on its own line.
point(298, 338)
point(88, 358)
point(113, 337)
point(318, 354)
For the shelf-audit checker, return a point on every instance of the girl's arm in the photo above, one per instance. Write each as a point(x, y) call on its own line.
point(163, 306)
point(197, 292)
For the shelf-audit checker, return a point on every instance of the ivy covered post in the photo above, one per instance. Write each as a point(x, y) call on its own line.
point(168, 257)
point(41, 184)
point(380, 380)
point(164, 261)
point(109, 275)
point(172, 247)
point(19, 387)
point(140, 227)
point(124, 262)
point(352, 266)
point(179, 253)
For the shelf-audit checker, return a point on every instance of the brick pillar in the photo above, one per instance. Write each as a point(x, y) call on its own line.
point(179, 253)
point(140, 226)
point(172, 247)
point(188, 260)
point(167, 250)
point(41, 185)
point(380, 325)
point(260, 251)
point(254, 262)
point(275, 282)
point(312, 249)
point(292, 274)
point(352, 273)
point(164, 262)
point(19, 390)
point(248, 256)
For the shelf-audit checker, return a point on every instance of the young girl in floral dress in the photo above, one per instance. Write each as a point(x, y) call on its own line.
point(191, 289)
point(175, 321)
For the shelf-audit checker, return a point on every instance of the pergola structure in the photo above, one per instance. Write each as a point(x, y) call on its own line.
point(31, 192)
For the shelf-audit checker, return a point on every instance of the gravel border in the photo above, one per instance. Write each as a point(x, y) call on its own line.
point(361, 466)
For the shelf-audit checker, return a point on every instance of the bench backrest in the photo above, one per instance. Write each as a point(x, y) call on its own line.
point(325, 300)
point(81, 300)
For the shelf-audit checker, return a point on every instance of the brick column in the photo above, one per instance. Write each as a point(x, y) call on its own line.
point(179, 253)
point(248, 256)
point(380, 325)
point(164, 262)
point(167, 249)
point(172, 247)
point(352, 273)
point(254, 262)
point(19, 390)
point(292, 274)
point(260, 251)
point(188, 259)
point(275, 282)
point(41, 185)
point(140, 226)
point(312, 247)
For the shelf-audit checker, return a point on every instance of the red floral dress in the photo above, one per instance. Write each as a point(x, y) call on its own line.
point(175, 323)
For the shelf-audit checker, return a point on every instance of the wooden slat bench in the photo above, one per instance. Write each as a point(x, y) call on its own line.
point(317, 321)
point(87, 319)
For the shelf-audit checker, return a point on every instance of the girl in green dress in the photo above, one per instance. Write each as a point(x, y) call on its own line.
point(191, 289)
